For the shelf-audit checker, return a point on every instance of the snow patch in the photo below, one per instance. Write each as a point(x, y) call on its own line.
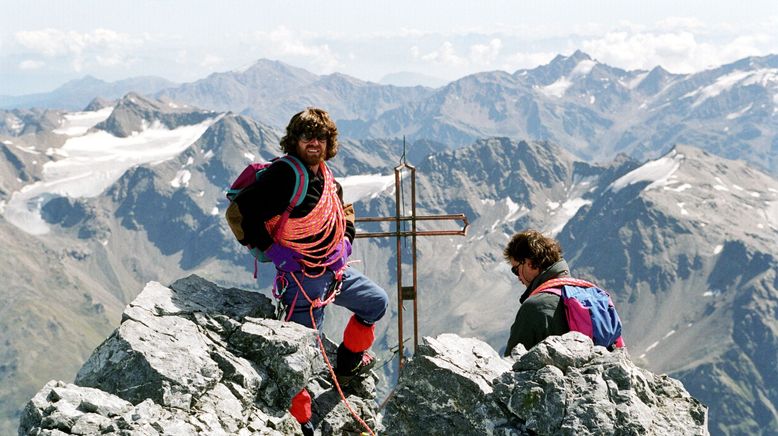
point(680, 188)
point(717, 249)
point(215, 211)
point(658, 172)
point(771, 213)
point(30, 150)
point(739, 113)
point(632, 84)
point(557, 89)
point(249, 156)
point(356, 188)
point(568, 210)
point(93, 162)
point(182, 179)
point(77, 123)
point(763, 77)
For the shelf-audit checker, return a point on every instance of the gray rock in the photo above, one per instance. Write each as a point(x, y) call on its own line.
point(564, 385)
point(447, 388)
point(194, 359)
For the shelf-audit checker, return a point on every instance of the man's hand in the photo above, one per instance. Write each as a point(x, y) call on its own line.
point(340, 256)
point(348, 211)
point(284, 258)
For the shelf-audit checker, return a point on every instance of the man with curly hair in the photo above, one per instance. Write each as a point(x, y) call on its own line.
point(311, 248)
point(536, 259)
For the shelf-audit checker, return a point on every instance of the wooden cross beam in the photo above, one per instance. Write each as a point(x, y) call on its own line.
point(409, 292)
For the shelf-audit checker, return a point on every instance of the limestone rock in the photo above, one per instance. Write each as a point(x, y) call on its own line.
point(195, 358)
point(564, 385)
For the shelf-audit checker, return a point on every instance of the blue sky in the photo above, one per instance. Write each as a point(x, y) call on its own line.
point(44, 43)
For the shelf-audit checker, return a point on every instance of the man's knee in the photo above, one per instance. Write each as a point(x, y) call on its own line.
point(379, 302)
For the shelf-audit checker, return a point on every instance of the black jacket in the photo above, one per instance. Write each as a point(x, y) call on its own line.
point(541, 315)
point(270, 195)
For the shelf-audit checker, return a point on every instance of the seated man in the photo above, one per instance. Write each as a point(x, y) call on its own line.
point(536, 259)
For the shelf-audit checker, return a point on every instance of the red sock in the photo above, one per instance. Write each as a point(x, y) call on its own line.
point(301, 407)
point(358, 337)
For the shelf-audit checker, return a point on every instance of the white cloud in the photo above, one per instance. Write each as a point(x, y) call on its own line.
point(283, 43)
point(31, 65)
point(520, 60)
point(210, 61)
point(54, 42)
point(80, 50)
point(674, 24)
point(486, 54)
point(680, 44)
point(445, 55)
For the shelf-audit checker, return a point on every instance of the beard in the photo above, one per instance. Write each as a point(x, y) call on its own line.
point(311, 159)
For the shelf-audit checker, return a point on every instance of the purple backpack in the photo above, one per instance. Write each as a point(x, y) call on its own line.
point(588, 309)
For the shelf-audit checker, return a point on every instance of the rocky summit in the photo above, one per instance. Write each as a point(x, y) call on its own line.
point(195, 358)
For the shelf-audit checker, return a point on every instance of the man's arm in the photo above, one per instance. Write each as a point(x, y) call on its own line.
point(348, 211)
point(531, 324)
point(264, 199)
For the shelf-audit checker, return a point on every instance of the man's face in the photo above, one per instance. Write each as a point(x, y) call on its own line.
point(524, 270)
point(312, 148)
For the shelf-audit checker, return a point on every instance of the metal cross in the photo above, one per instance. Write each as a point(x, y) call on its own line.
point(409, 292)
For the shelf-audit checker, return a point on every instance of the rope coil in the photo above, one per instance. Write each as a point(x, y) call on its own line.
point(327, 221)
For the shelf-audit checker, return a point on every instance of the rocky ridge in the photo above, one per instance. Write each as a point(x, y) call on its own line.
point(196, 358)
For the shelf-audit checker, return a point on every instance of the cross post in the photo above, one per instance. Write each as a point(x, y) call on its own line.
point(409, 292)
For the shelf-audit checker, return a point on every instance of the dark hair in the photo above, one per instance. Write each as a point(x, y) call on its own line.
point(531, 244)
point(311, 122)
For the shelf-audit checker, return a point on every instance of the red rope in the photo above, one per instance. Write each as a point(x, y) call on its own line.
point(326, 220)
point(319, 303)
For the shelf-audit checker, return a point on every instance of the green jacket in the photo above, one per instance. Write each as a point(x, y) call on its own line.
point(541, 315)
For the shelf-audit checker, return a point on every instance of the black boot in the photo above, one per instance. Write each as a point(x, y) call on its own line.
point(350, 364)
point(307, 428)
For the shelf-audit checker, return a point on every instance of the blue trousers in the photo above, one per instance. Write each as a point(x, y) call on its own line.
point(358, 294)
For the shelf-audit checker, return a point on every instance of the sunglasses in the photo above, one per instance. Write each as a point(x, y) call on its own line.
point(308, 137)
point(515, 268)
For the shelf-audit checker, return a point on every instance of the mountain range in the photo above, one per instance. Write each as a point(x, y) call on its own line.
point(592, 109)
point(97, 202)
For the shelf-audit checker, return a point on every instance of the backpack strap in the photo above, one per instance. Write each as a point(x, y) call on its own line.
point(553, 286)
point(300, 189)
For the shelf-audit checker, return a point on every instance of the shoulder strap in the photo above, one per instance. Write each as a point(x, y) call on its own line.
point(300, 188)
point(301, 179)
point(552, 286)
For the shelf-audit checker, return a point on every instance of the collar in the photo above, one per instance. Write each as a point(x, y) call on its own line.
point(557, 269)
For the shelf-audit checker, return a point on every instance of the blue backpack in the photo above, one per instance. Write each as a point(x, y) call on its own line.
point(588, 309)
point(246, 178)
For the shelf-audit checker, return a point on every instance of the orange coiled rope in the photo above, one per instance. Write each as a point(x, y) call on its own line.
point(326, 222)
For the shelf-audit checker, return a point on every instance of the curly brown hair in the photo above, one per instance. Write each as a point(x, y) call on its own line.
point(311, 122)
point(531, 244)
